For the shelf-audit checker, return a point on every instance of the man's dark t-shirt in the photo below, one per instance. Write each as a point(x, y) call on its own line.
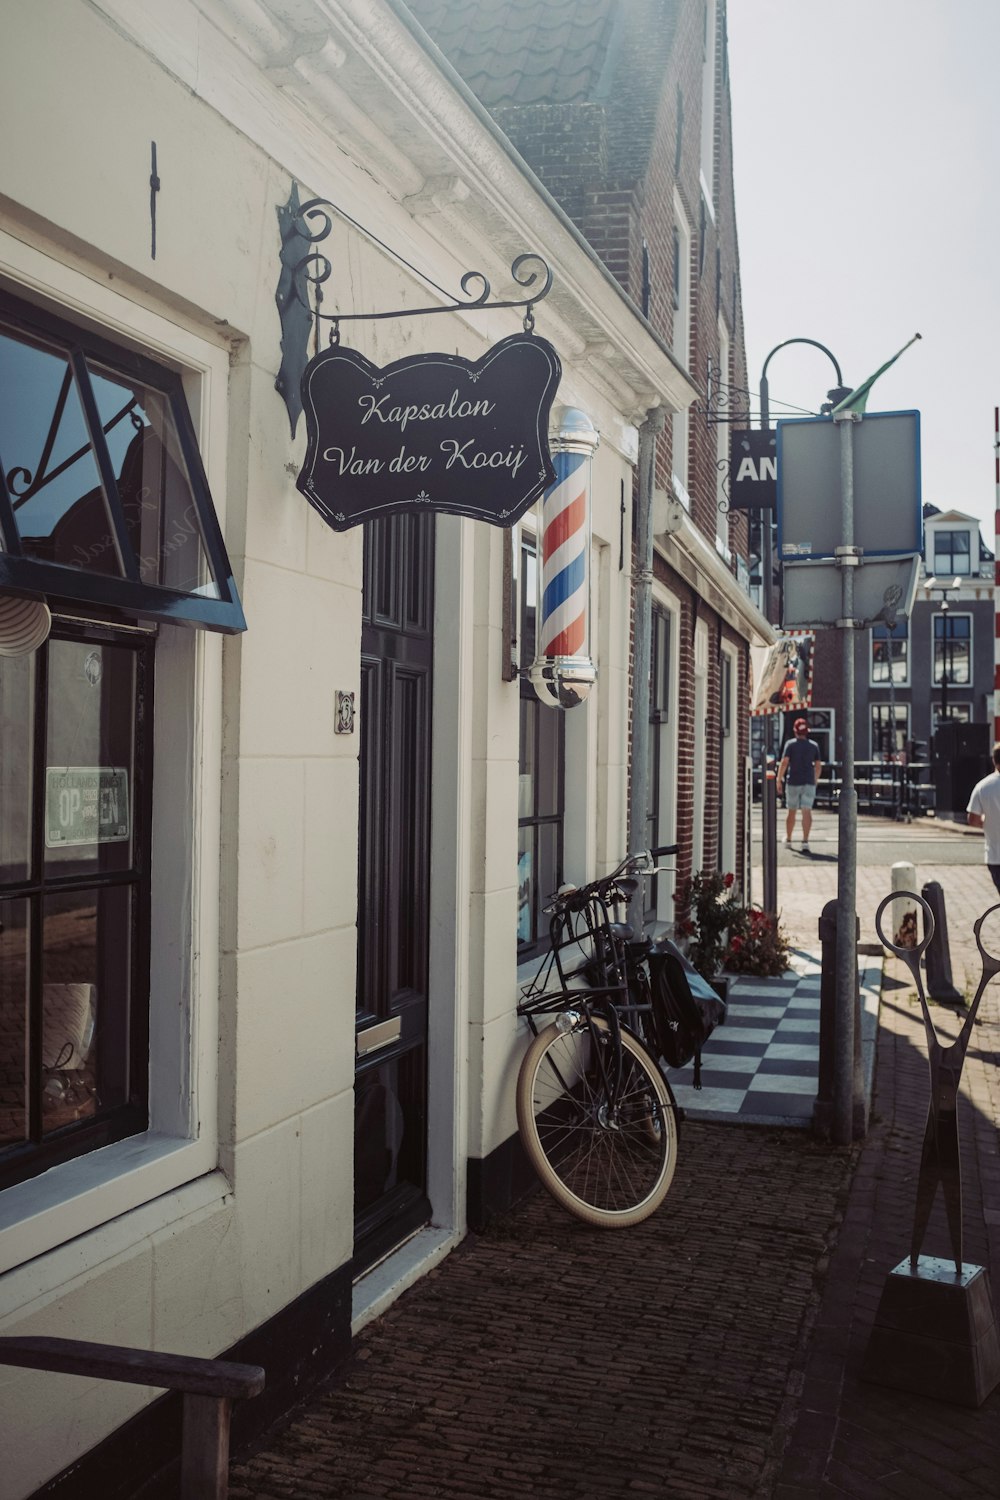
point(802, 756)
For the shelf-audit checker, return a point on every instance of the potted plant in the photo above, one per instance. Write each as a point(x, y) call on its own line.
point(707, 907)
point(758, 944)
point(724, 936)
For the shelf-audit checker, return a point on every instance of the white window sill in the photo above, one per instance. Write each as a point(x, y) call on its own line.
point(680, 492)
point(80, 1195)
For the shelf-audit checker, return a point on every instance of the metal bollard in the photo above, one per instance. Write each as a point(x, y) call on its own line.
point(938, 958)
point(823, 1108)
point(904, 913)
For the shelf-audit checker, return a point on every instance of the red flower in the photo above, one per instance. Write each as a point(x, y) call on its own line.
point(728, 880)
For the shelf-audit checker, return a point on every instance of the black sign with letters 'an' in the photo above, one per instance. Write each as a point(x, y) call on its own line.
point(431, 432)
point(753, 469)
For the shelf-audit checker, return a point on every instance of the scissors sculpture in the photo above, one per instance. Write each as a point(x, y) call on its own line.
point(939, 1161)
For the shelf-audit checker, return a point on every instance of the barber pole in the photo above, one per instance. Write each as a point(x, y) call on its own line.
point(562, 673)
point(996, 576)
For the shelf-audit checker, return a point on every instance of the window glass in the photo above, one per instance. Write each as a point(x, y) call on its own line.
point(952, 648)
point(890, 653)
point(959, 712)
point(89, 775)
point(85, 1005)
point(59, 504)
point(951, 552)
point(17, 678)
point(883, 741)
point(109, 504)
point(74, 896)
point(153, 482)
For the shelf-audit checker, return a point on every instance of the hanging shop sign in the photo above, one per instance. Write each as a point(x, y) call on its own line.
point(782, 674)
point(753, 469)
point(432, 432)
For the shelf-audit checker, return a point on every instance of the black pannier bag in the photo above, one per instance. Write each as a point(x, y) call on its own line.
point(686, 1009)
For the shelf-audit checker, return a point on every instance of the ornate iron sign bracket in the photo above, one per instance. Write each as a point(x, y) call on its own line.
point(305, 225)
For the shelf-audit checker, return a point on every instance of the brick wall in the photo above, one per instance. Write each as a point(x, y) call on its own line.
point(615, 164)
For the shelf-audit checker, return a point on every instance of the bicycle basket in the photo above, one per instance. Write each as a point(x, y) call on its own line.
point(686, 1009)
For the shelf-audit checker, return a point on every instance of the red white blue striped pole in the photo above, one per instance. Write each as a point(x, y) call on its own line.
point(562, 672)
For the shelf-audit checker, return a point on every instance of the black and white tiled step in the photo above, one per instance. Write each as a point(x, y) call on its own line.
point(762, 1066)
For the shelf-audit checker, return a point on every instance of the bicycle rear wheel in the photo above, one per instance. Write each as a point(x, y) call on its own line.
point(609, 1164)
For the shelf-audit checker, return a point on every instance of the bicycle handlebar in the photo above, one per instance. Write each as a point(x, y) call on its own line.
point(642, 863)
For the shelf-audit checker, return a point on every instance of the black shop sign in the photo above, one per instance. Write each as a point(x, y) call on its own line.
point(753, 469)
point(431, 432)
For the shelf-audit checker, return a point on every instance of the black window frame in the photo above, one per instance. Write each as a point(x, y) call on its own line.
point(118, 598)
point(950, 569)
point(22, 1161)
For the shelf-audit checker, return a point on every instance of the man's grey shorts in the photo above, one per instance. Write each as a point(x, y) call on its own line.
point(800, 796)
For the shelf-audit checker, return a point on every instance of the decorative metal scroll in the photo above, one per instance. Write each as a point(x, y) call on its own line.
point(940, 1160)
point(308, 224)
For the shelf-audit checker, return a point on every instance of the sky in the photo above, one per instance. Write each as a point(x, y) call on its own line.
point(866, 139)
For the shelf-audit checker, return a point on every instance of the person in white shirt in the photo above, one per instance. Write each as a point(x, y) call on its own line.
point(984, 813)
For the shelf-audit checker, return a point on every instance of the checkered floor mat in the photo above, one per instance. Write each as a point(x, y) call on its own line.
point(762, 1066)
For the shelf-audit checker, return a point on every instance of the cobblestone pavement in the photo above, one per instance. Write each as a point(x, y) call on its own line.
point(711, 1352)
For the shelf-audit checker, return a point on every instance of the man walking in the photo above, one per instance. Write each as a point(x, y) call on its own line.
point(984, 813)
point(801, 765)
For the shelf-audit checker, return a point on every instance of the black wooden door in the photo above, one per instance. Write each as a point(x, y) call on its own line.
point(390, 1136)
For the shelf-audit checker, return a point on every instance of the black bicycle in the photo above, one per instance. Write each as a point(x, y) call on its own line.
point(596, 1113)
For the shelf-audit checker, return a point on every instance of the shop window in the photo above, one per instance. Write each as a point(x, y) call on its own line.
point(952, 556)
point(952, 648)
point(108, 1011)
point(890, 655)
point(75, 769)
point(103, 498)
point(541, 776)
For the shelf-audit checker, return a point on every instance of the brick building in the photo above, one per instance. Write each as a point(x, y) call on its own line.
point(936, 667)
point(623, 111)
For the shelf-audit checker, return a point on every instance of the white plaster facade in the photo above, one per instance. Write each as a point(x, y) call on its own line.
point(240, 1196)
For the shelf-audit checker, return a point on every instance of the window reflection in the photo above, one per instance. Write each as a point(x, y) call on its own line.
point(60, 508)
point(153, 482)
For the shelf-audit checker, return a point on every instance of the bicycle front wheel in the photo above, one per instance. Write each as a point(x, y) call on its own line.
point(608, 1161)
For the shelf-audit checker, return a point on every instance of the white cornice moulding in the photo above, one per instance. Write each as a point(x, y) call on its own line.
point(684, 547)
point(340, 90)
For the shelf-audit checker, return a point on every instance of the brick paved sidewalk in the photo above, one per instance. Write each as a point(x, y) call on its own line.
point(712, 1351)
point(549, 1361)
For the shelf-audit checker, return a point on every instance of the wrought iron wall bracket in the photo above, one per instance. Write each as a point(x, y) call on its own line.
point(307, 224)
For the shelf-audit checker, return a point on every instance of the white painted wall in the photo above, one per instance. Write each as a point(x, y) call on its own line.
point(243, 1197)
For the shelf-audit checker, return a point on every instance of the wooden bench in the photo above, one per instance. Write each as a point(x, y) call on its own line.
point(209, 1387)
